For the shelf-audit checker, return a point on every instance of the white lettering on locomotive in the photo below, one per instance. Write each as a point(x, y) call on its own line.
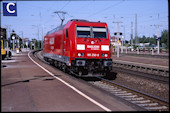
point(51, 40)
point(93, 47)
point(88, 54)
point(92, 55)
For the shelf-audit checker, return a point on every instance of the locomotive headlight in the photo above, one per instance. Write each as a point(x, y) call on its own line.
point(106, 55)
point(80, 54)
point(104, 47)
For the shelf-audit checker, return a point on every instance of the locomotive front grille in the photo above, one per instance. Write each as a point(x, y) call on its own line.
point(91, 62)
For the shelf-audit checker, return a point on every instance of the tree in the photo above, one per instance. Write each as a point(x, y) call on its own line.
point(164, 38)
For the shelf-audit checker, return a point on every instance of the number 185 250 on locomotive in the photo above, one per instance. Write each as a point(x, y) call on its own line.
point(80, 47)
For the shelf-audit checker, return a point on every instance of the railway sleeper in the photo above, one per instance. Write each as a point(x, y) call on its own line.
point(123, 94)
point(139, 98)
point(157, 108)
point(131, 96)
point(116, 90)
point(111, 89)
point(141, 101)
point(150, 104)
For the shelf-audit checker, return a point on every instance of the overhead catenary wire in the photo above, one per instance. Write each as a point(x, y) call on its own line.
point(106, 8)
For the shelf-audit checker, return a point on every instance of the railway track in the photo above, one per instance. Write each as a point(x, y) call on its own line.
point(140, 67)
point(140, 99)
point(143, 100)
point(158, 78)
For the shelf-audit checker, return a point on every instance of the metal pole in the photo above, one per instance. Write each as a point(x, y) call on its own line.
point(38, 38)
point(118, 50)
point(158, 40)
point(136, 38)
point(13, 46)
point(158, 46)
point(131, 33)
point(124, 34)
point(22, 40)
point(42, 38)
point(7, 42)
point(117, 38)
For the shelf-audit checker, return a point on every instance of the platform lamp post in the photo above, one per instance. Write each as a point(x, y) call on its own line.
point(22, 39)
point(13, 37)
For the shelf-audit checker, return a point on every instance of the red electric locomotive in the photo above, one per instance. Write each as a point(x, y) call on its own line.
point(79, 47)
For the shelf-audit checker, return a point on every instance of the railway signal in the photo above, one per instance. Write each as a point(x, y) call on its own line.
point(158, 38)
point(118, 33)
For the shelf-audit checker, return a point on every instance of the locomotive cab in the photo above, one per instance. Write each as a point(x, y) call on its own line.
point(93, 55)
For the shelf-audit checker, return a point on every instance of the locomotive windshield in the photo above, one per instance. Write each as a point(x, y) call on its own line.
point(91, 32)
point(99, 32)
point(83, 32)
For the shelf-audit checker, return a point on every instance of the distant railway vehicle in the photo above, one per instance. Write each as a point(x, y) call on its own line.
point(80, 46)
point(3, 41)
point(3, 51)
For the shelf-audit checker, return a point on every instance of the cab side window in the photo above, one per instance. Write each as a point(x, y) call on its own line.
point(66, 33)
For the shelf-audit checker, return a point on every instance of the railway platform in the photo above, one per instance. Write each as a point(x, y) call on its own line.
point(143, 59)
point(26, 86)
point(147, 64)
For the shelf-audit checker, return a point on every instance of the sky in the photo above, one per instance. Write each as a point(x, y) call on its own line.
point(35, 18)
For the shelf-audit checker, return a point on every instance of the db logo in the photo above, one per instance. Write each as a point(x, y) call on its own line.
point(9, 9)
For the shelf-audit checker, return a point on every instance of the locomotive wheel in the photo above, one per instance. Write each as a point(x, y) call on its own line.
point(68, 70)
point(52, 62)
point(46, 59)
point(85, 72)
point(64, 67)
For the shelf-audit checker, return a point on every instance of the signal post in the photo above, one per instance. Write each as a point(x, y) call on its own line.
point(118, 38)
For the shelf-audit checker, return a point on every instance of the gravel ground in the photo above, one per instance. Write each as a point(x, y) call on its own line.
point(144, 85)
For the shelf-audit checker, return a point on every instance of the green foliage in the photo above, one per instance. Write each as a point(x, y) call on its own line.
point(164, 38)
point(135, 46)
point(153, 41)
